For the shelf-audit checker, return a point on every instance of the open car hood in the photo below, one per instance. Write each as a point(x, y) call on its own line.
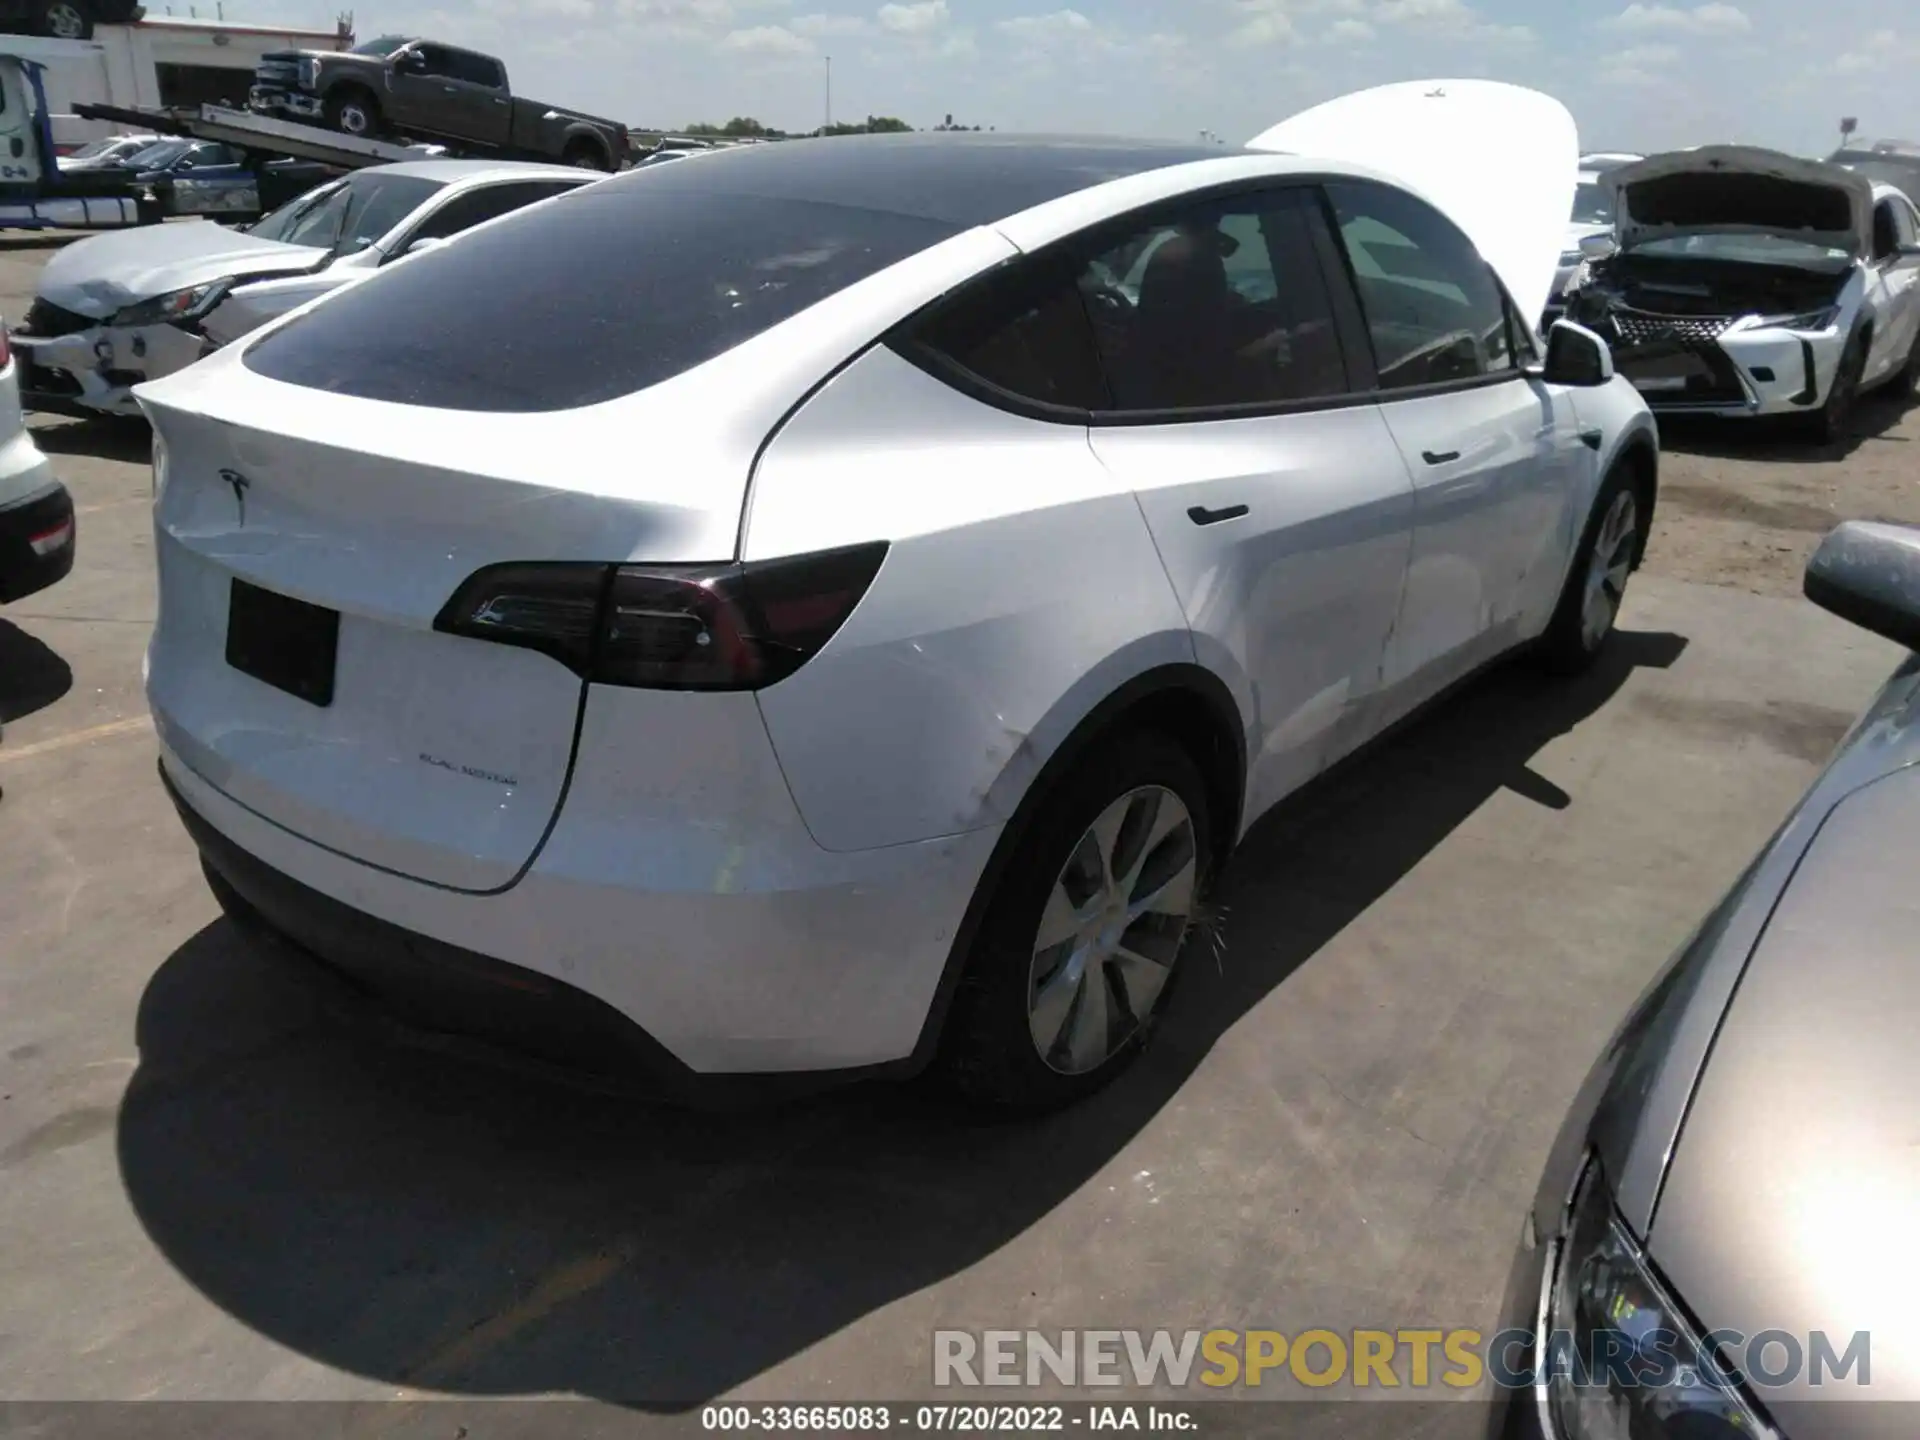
point(1741, 190)
point(1501, 160)
point(105, 273)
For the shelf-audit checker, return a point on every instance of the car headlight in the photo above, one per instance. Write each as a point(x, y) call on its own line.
point(1624, 1361)
point(1811, 320)
point(188, 304)
point(309, 74)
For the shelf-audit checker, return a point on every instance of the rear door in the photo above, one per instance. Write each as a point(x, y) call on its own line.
point(1495, 455)
point(486, 108)
point(1274, 490)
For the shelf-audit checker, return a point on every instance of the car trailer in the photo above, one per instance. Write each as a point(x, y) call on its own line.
point(260, 134)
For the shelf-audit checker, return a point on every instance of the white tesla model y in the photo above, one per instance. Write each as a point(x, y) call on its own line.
point(829, 609)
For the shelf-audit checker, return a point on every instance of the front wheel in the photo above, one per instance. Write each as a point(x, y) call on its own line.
point(1597, 582)
point(1832, 423)
point(1079, 945)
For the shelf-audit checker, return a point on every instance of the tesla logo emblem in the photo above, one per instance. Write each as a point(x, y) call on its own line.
point(1439, 92)
point(239, 484)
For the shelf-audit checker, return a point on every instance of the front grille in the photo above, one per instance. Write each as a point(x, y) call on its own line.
point(277, 74)
point(1637, 327)
point(50, 321)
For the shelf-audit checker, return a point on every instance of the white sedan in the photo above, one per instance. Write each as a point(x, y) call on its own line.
point(854, 640)
point(115, 310)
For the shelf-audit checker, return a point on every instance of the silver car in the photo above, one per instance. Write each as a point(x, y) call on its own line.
point(1719, 1241)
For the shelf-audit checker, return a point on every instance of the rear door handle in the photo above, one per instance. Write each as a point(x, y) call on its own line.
point(1201, 515)
point(1439, 457)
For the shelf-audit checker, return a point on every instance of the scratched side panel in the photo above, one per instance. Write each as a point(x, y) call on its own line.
point(1021, 589)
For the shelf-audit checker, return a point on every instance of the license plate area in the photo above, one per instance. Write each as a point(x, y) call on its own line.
point(282, 642)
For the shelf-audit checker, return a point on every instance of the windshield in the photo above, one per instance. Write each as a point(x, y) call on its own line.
point(1748, 249)
point(346, 217)
point(1591, 205)
point(384, 46)
point(158, 157)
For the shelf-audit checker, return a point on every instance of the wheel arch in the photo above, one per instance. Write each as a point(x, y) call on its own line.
point(1185, 701)
point(1639, 452)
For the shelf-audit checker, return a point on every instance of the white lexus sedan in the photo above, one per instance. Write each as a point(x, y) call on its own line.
point(119, 309)
point(853, 641)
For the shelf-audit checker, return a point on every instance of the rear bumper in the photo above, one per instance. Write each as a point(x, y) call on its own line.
point(37, 537)
point(749, 985)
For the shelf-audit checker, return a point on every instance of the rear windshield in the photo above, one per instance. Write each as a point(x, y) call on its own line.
point(618, 286)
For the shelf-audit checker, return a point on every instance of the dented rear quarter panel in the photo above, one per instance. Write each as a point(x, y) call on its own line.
point(1022, 588)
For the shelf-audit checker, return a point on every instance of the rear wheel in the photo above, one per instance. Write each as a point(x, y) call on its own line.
point(353, 112)
point(1909, 382)
point(1597, 583)
point(585, 155)
point(64, 19)
point(1078, 947)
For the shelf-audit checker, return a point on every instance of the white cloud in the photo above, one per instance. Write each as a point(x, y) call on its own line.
point(1350, 32)
point(767, 40)
point(1046, 29)
point(1710, 19)
point(824, 24)
point(1276, 22)
point(918, 18)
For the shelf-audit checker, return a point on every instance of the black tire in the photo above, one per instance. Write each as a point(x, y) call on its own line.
point(1832, 423)
point(1909, 382)
point(353, 111)
point(585, 155)
point(988, 1052)
point(63, 19)
point(1571, 643)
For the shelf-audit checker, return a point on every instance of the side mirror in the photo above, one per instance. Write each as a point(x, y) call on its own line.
point(413, 61)
point(1910, 252)
point(1576, 356)
point(1597, 247)
point(1869, 574)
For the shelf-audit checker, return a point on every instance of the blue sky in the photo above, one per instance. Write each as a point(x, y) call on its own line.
point(1638, 74)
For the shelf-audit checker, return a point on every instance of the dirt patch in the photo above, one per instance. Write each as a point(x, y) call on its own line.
point(1802, 731)
point(1745, 504)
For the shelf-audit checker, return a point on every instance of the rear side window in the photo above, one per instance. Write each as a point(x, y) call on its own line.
point(1023, 331)
point(475, 69)
point(616, 287)
point(463, 212)
point(1433, 308)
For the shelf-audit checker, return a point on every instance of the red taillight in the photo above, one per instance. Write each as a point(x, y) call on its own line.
point(669, 627)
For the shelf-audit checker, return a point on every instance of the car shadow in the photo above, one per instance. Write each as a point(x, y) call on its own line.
point(32, 675)
point(1781, 439)
point(104, 437)
point(38, 241)
point(428, 1223)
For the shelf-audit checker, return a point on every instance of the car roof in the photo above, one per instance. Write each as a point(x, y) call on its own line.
point(961, 180)
point(449, 171)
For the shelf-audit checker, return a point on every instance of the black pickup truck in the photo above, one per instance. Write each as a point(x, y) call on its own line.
point(399, 86)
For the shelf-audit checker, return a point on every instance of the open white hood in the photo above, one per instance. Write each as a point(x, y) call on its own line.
point(1501, 160)
point(1741, 190)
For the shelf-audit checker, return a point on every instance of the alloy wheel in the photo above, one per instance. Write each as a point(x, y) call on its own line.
point(1607, 569)
point(354, 120)
point(65, 21)
point(1111, 930)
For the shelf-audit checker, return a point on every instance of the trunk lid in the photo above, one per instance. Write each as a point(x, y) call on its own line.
point(1741, 190)
point(438, 757)
point(105, 273)
point(1501, 160)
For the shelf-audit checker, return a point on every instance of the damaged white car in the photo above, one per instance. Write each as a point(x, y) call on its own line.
point(119, 309)
point(1744, 281)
